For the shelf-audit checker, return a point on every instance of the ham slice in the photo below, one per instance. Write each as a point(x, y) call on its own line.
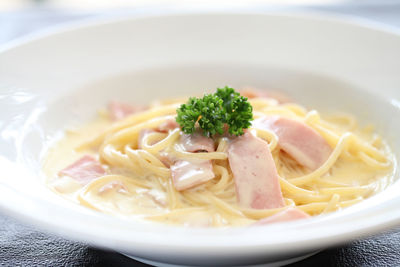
point(120, 110)
point(187, 174)
point(255, 174)
point(197, 142)
point(168, 125)
point(289, 214)
point(84, 170)
point(297, 139)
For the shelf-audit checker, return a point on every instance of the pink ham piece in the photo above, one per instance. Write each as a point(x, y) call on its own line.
point(289, 214)
point(120, 110)
point(197, 142)
point(254, 171)
point(187, 174)
point(297, 139)
point(168, 125)
point(84, 170)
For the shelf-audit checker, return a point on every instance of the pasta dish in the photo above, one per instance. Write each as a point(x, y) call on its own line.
point(226, 159)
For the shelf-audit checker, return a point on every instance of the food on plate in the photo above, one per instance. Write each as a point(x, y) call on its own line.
point(224, 159)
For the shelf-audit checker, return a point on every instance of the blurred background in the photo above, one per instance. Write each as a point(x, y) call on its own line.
point(133, 3)
point(19, 17)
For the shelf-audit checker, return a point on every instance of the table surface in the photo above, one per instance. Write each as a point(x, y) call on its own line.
point(22, 245)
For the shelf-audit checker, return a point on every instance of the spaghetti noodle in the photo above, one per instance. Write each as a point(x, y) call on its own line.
point(137, 181)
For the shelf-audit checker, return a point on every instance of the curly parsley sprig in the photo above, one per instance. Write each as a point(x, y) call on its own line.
point(213, 111)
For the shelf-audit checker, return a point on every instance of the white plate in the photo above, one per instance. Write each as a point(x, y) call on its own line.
point(60, 79)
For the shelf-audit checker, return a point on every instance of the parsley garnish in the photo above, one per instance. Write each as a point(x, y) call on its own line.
point(213, 111)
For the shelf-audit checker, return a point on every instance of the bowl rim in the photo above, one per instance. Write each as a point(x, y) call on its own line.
point(222, 240)
point(95, 21)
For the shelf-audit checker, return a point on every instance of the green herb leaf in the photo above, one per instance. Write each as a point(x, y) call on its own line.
point(211, 112)
point(206, 111)
point(238, 111)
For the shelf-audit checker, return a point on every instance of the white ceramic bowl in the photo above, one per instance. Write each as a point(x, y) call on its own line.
point(56, 80)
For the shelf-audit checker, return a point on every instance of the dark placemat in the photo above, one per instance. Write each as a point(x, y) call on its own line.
point(22, 245)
